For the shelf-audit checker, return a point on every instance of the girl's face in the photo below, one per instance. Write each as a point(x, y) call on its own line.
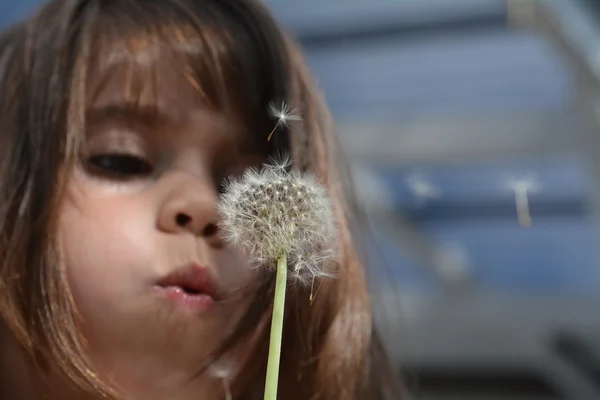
point(150, 276)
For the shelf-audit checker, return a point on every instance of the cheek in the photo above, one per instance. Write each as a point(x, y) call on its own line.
point(98, 242)
point(234, 270)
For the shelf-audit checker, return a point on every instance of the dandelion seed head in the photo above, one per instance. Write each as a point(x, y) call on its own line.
point(276, 209)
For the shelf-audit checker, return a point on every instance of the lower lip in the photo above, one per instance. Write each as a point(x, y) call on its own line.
point(195, 302)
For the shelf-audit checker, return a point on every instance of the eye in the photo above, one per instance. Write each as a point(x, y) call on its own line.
point(119, 166)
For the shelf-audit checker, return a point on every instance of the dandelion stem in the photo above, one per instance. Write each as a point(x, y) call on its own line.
point(276, 330)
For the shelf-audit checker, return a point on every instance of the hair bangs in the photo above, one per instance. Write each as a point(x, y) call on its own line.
point(215, 51)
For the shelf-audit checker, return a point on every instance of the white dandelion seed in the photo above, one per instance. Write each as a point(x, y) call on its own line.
point(283, 114)
point(224, 370)
point(276, 210)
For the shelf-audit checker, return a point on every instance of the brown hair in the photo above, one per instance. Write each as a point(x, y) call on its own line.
point(239, 60)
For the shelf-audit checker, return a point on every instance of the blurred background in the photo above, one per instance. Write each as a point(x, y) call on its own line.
point(473, 128)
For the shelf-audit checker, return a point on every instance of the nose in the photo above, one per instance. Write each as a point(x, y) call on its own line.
point(190, 205)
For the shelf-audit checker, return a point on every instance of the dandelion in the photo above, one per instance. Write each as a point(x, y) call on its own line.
point(280, 218)
point(277, 210)
point(283, 114)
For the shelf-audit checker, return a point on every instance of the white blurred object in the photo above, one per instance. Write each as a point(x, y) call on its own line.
point(422, 188)
point(371, 191)
point(522, 188)
point(453, 264)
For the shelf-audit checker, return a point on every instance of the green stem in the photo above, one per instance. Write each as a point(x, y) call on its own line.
point(276, 330)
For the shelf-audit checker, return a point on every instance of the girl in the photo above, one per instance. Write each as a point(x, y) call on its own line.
point(119, 120)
